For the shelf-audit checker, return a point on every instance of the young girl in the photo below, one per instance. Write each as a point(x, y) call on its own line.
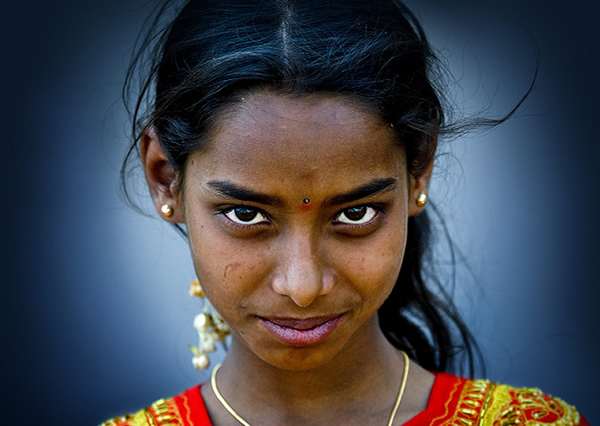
point(295, 140)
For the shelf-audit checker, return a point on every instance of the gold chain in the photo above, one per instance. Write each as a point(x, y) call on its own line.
point(402, 387)
point(213, 384)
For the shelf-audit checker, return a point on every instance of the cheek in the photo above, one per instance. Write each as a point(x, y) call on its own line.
point(227, 269)
point(373, 266)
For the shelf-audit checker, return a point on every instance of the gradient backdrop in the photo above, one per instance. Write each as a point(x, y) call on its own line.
point(96, 317)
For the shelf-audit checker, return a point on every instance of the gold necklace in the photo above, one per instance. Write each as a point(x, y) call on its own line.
point(213, 384)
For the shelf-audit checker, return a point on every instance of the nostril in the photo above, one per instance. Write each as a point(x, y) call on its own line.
point(303, 283)
point(300, 271)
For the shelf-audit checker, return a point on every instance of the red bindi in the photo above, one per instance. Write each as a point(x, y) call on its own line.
point(305, 206)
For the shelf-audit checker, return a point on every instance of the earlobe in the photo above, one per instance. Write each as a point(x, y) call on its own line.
point(419, 187)
point(162, 179)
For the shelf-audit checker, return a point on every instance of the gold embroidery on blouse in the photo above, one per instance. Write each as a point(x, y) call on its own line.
point(483, 403)
point(472, 401)
point(188, 410)
point(141, 418)
point(161, 413)
point(447, 403)
point(166, 413)
point(529, 407)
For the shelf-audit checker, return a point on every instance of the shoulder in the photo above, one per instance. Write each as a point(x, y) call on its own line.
point(185, 409)
point(487, 403)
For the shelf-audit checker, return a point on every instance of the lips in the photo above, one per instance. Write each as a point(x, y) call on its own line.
point(301, 331)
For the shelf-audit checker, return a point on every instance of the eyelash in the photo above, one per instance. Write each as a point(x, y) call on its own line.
point(377, 211)
point(231, 209)
point(370, 213)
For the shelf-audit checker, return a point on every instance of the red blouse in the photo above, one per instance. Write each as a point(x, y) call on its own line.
point(453, 401)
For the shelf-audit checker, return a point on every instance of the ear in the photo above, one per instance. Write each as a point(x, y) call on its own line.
point(419, 185)
point(161, 177)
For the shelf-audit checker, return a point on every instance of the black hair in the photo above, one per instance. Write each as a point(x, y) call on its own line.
point(375, 52)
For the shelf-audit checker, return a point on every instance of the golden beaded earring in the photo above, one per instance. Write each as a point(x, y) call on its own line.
point(211, 328)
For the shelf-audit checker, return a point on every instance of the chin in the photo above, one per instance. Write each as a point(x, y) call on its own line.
point(298, 360)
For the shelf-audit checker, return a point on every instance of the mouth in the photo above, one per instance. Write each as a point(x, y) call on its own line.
point(301, 331)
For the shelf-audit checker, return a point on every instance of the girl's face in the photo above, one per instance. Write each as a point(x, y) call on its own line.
point(296, 213)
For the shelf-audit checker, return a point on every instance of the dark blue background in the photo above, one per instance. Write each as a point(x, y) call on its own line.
point(95, 313)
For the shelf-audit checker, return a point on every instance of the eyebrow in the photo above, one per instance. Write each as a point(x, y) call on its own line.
point(376, 186)
point(232, 190)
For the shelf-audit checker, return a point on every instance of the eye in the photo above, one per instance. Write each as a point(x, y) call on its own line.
point(356, 215)
point(245, 215)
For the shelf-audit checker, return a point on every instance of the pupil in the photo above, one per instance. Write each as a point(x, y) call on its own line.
point(244, 214)
point(356, 213)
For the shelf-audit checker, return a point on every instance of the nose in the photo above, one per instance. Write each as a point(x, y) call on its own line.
point(302, 274)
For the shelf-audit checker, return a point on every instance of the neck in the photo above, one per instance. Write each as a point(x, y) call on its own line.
point(359, 384)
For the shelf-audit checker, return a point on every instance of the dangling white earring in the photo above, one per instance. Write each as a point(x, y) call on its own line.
point(211, 328)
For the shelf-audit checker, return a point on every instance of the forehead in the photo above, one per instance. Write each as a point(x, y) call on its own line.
point(297, 137)
point(320, 109)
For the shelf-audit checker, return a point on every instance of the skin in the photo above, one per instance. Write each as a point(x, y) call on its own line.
point(270, 255)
